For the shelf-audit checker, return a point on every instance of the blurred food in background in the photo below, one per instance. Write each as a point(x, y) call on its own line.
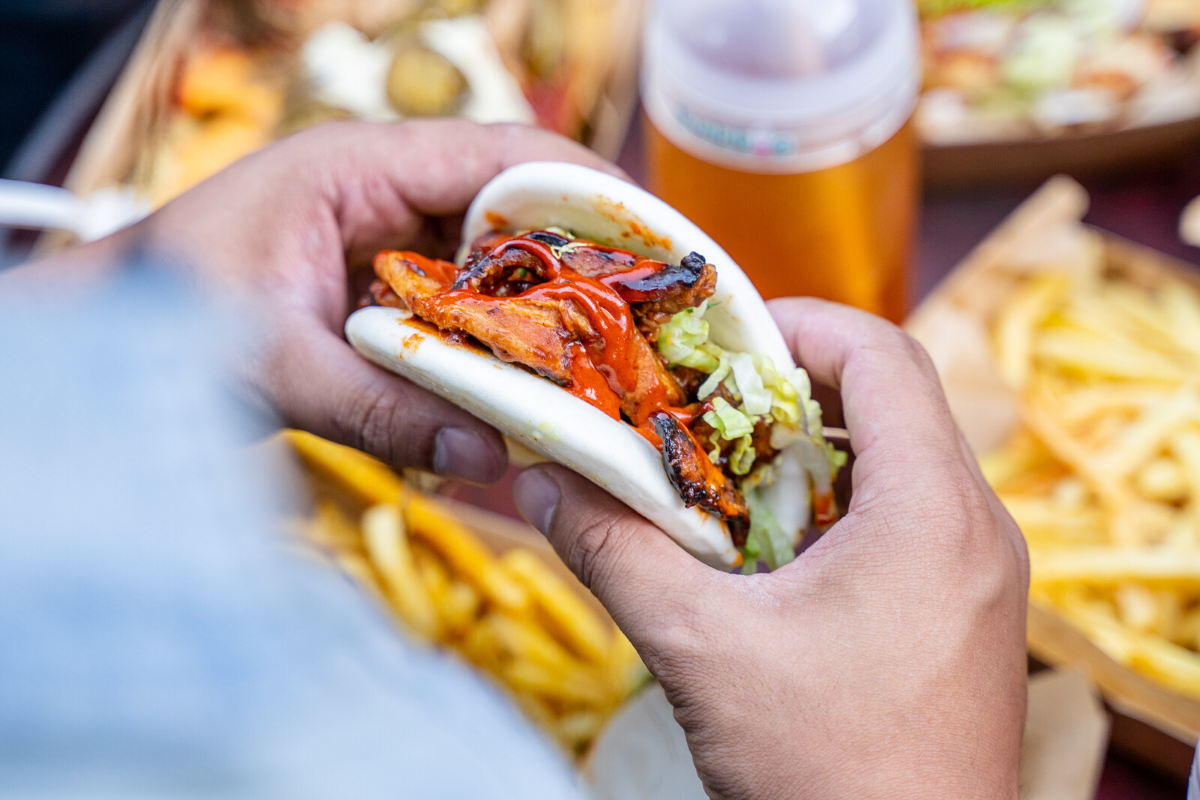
point(522, 622)
point(260, 69)
point(1104, 474)
point(781, 129)
point(1003, 70)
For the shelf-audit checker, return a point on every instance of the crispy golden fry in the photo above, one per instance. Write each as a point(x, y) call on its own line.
point(523, 639)
point(458, 607)
point(1086, 354)
point(383, 533)
point(1174, 666)
point(1023, 456)
point(574, 686)
point(1146, 436)
point(1087, 402)
point(1049, 519)
point(1015, 332)
point(1104, 477)
point(565, 613)
point(333, 530)
point(512, 616)
point(1186, 446)
point(1162, 479)
point(579, 727)
point(1112, 565)
point(465, 554)
point(364, 476)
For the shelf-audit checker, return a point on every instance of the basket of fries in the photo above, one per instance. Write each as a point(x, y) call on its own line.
point(471, 583)
point(1071, 360)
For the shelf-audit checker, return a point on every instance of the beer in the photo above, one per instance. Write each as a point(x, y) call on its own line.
point(786, 139)
point(843, 233)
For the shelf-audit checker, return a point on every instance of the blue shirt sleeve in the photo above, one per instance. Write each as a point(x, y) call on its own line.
point(159, 637)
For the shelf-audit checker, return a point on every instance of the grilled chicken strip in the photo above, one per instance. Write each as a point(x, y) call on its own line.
point(550, 335)
point(698, 481)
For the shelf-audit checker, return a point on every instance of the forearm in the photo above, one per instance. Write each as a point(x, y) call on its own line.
point(74, 266)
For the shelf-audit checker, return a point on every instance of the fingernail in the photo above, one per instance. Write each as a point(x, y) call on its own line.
point(536, 497)
point(460, 453)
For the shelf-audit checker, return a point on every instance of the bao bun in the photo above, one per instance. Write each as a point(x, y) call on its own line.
point(541, 415)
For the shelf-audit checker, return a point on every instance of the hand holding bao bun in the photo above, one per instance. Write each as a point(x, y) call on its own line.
point(619, 350)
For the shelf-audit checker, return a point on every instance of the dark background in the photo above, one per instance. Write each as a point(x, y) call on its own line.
point(42, 45)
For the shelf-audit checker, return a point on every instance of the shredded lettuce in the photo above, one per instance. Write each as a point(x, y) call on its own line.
point(729, 422)
point(1044, 55)
point(714, 380)
point(756, 398)
point(743, 456)
point(751, 552)
point(754, 390)
point(680, 340)
point(837, 458)
point(774, 544)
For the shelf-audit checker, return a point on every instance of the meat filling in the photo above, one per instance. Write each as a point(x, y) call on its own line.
point(583, 316)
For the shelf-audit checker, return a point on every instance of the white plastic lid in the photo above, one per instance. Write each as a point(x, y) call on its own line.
point(780, 85)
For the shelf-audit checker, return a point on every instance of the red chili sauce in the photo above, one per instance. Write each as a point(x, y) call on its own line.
point(603, 369)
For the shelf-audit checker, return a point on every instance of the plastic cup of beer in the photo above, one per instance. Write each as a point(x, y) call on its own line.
point(781, 128)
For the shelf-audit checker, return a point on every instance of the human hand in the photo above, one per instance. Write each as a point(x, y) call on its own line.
point(888, 659)
point(279, 228)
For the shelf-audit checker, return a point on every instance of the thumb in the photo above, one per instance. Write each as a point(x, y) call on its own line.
point(638, 574)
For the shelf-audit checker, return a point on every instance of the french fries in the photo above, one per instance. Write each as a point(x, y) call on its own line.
point(362, 475)
point(563, 611)
point(387, 546)
point(1104, 475)
point(511, 616)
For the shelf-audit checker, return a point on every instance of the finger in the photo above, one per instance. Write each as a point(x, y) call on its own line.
point(323, 386)
point(892, 400)
point(631, 566)
point(382, 180)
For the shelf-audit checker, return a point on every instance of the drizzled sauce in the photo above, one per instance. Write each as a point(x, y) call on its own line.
point(604, 366)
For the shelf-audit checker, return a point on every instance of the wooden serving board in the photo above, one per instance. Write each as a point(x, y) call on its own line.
point(1154, 724)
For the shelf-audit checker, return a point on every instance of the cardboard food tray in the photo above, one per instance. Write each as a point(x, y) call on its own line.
point(141, 99)
point(1151, 723)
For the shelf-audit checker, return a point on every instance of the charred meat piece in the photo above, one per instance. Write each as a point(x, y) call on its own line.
point(698, 481)
point(656, 285)
point(645, 281)
point(653, 314)
point(655, 281)
point(689, 380)
point(593, 261)
point(495, 273)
